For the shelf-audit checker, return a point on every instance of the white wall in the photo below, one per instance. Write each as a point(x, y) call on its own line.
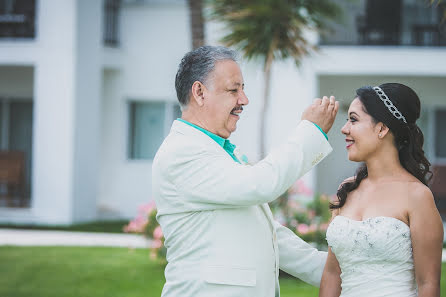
point(153, 40)
point(379, 60)
point(111, 199)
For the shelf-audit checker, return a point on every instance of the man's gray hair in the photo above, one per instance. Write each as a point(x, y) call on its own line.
point(196, 65)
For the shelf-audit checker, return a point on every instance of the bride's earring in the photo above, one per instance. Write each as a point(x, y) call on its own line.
point(380, 135)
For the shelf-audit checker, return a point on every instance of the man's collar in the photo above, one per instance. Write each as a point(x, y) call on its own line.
point(224, 143)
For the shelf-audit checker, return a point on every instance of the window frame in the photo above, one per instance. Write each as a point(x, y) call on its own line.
point(33, 24)
point(437, 160)
point(111, 23)
point(169, 117)
point(5, 145)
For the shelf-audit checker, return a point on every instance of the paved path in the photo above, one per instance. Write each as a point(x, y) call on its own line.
point(19, 237)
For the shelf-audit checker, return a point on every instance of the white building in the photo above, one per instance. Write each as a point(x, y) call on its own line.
point(87, 92)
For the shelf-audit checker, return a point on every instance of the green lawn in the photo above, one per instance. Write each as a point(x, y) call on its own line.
point(97, 272)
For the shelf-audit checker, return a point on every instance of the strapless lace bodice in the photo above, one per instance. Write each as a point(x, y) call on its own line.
point(375, 256)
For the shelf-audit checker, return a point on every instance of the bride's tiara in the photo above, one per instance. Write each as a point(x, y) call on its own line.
point(392, 108)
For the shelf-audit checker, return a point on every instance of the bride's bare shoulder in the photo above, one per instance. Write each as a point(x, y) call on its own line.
point(418, 193)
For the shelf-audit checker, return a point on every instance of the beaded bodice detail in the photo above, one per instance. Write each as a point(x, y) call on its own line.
point(375, 256)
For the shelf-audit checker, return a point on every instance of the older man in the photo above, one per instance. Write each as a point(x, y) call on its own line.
point(219, 232)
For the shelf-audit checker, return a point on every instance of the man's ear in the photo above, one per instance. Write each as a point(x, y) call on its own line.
point(198, 92)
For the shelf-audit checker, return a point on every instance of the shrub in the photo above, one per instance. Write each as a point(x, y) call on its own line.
point(145, 223)
point(307, 214)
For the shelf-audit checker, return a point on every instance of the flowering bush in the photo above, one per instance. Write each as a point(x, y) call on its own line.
point(146, 223)
point(305, 213)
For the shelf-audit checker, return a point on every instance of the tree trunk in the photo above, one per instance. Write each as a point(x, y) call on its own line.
point(264, 111)
point(196, 22)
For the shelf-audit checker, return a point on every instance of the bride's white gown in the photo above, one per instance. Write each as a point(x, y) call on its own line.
point(375, 256)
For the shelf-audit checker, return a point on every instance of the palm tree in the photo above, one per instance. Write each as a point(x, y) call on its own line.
point(272, 30)
point(439, 5)
point(196, 22)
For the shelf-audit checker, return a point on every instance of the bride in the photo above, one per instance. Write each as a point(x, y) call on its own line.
point(385, 237)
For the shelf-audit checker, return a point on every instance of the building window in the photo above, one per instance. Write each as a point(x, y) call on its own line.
point(390, 23)
point(440, 140)
point(16, 121)
point(111, 22)
point(17, 18)
point(149, 124)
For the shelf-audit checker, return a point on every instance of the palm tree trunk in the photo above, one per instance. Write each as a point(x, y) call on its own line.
point(264, 111)
point(196, 22)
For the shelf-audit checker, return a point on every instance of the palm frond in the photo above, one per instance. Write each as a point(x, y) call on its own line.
point(261, 27)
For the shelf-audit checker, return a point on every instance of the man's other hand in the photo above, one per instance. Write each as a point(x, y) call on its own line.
point(322, 112)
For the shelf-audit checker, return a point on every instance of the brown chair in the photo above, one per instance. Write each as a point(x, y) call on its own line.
point(12, 177)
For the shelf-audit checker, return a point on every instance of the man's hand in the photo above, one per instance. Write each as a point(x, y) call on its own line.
point(322, 112)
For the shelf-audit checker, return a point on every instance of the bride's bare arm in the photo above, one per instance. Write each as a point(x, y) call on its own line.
point(331, 277)
point(427, 239)
point(331, 280)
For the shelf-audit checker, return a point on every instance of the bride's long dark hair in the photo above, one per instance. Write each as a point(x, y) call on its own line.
point(408, 136)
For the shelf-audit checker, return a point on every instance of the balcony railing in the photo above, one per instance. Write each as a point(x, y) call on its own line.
point(17, 18)
point(389, 22)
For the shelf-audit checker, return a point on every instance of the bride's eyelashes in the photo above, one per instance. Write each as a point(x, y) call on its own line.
point(352, 119)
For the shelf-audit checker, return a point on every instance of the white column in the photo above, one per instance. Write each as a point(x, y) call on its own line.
point(53, 112)
point(87, 109)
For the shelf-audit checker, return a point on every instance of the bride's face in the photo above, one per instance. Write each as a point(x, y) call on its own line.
point(361, 133)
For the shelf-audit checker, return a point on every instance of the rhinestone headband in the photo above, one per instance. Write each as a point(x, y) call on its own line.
point(392, 108)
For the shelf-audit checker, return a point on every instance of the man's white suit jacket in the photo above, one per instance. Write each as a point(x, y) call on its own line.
point(219, 232)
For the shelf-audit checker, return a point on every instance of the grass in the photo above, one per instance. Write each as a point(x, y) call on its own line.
point(95, 272)
point(74, 271)
point(98, 272)
point(292, 287)
point(98, 226)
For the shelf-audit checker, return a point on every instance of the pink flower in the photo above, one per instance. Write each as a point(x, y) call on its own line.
point(156, 244)
point(302, 229)
point(303, 189)
point(157, 233)
point(136, 225)
point(145, 209)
